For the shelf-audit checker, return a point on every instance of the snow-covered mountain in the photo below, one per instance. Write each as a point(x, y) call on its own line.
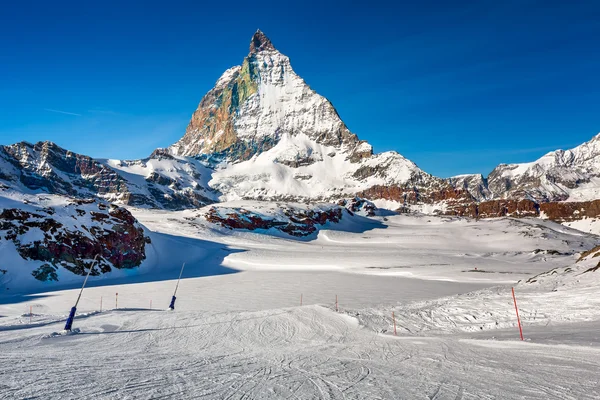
point(572, 175)
point(159, 181)
point(253, 106)
point(271, 137)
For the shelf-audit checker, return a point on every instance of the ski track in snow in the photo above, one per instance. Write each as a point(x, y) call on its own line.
point(244, 335)
point(292, 353)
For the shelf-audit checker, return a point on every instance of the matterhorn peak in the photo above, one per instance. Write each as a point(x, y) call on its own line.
point(260, 42)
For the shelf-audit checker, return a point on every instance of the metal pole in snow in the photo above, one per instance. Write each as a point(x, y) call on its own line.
point(394, 319)
point(116, 300)
point(69, 323)
point(517, 311)
point(100, 303)
point(30, 315)
point(336, 303)
point(172, 305)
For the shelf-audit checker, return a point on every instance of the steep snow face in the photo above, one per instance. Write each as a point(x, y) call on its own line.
point(559, 175)
point(299, 168)
point(254, 105)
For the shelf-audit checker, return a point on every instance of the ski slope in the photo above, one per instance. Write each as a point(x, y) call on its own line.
point(245, 335)
point(299, 353)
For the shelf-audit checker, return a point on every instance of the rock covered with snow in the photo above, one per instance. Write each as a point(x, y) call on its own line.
point(159, 181)
point(572, 175)
point(295, 220)
point(52, 238)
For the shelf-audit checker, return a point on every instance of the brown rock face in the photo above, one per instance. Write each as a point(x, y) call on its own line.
point(298, 222)
point(413, 195)
point(114, 235)
point(555, 211)
point(571, 211)
point(260, 42)
point(496, 208)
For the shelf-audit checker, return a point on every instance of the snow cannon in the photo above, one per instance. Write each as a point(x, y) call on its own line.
point(69, 323)
point(172, 305)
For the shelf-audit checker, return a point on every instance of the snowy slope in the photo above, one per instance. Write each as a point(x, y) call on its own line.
point(245, 335)
point(164, 181)
point(298, 168)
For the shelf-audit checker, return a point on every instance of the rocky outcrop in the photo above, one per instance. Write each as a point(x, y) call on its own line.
point(71, 236)
point(356, 205)
point(411, 194)
point(570, 211)
point(496, 208)
point(293, 221)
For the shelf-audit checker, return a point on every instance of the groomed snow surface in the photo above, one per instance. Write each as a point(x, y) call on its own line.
point(241, 332)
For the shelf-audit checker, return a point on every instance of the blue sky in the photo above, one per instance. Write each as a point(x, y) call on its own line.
point(457, 87)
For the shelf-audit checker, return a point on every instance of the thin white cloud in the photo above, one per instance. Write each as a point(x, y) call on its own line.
point(61, 112)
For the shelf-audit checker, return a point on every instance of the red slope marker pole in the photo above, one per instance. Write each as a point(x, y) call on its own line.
point(394, 319)
point(517, 311)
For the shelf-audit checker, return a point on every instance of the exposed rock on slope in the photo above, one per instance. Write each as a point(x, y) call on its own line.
point(294, 221)
point(64, 239)
point(160, 181)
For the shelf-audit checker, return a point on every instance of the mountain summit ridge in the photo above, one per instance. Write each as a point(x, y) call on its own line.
point(260, 42)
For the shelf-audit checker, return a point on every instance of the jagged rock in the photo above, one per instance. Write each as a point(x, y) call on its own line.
point(356, 205)
point(115, 236)
point(297, 222)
